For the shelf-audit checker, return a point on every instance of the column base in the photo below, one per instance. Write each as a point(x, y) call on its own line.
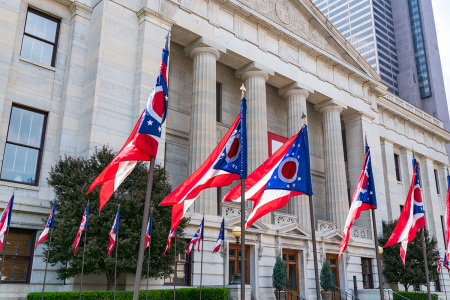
point(235, 292)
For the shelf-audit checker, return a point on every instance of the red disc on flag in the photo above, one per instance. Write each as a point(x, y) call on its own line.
point(287, 171)
point(233, 150)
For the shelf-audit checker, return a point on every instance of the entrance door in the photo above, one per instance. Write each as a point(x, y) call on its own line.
point(290, 258)
point(334, 265)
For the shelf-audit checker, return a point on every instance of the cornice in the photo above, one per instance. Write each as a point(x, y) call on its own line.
point(413, 118)
point(81, 9)
point(147, 14)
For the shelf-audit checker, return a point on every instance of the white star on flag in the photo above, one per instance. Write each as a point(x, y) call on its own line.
point(150, 122)
point(159, 129)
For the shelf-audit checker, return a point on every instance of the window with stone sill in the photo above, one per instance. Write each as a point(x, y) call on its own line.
point(24, 146)
point(18, 256)
point(183, 271)
point(40, 38)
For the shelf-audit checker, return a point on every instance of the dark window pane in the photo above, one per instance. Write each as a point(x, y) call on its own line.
point(37, 50)
point(19, 250)
point(19, 164)
point(41, 27)
point(292, 284)
point(25, 127)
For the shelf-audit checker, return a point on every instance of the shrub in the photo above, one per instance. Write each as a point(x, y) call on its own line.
point(326, 278)
point(181, 294)
point(412, 296)
point(279, 275)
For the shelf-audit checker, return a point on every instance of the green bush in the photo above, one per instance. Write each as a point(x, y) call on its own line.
point(279, 275)
point(326, 278)
point(412, 295)
point(181, 294)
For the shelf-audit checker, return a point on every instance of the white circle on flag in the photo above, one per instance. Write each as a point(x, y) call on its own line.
point(287, 170)
point(233, 149)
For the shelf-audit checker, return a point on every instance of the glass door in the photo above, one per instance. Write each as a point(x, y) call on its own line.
point(290, 258)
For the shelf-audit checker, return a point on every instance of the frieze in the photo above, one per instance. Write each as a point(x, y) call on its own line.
point(283, 12)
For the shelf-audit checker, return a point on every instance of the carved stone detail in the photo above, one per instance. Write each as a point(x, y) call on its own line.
point(360, 232)
point(287, 15)
point(283, 219)
point(322, 225)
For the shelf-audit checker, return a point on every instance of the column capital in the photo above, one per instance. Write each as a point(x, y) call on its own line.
point(204, 50)
point(329, 105)
point(387, 142)
point(206, 45)
point(254, 69)
point(295, 88)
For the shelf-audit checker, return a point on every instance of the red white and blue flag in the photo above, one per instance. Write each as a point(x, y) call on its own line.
point(447, 227)
point(438, 262)
point(83, 227)
point(172, 234)
point(47, 227)
point(364, 198)
point(148, 234)
point(228, 162)
point(113, 233)
point(220, 238)
point(412, 217)
point(446, 265)
point(5, 220)
point(198, 236)
point(283, 175)
point(142, 144)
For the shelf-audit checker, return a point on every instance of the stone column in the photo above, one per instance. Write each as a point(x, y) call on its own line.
point(393, 192)
point(335, 175)
point(203, 136)
point(407, 171)
point(430, 198)
point(255, 78)
point(296, 106)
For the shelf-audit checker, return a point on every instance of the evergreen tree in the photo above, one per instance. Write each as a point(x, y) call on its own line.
point(70, 179)
point(326, 277)
point(279, 275)
point(414, 271)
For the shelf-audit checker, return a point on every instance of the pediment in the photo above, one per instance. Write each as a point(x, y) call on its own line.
point(257, 226)
point(302, 21)
point(294, 230)
point(334, 236)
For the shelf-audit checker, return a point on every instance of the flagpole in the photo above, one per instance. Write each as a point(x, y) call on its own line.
point(201, 257)
point(148, 261)
point(4, 252)
point(243, 269)
point(313, 231)
point(201, 269)
point(82, 265)
point(380, 274)
point(46, 262)
point(115, 266)
point(224, 263)
point(375, 237)
point(443, 281)
point(176, 265)
point(148, 195)
point(424, 250)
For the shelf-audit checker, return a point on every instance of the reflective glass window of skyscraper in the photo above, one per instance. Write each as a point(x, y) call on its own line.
point(369, 28)
point(419, 49)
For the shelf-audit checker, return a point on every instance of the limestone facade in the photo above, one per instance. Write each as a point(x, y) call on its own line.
point(291, 59)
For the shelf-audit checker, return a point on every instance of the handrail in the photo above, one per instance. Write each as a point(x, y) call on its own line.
point(288, 294)
point(343, 295)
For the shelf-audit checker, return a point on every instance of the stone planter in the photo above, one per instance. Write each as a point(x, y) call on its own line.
point(280, 294)
point(326, 295)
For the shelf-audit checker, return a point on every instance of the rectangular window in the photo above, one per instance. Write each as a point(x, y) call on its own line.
point(18, 256)
point(183, 271)
point(401, 208)
point(218, 102)
point(397, 167)
point(219, 201)
point(436, 179)
point(24, 145)
point(443, 232)
point(40, 38)
point(233, 263)
point(367, 274)
point(437, 285)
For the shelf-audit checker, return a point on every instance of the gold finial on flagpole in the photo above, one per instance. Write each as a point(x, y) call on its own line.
point(304, 118)
point(243, 90)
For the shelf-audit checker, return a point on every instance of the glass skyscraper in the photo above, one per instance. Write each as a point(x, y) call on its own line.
point(398, 39)
point(368, 26)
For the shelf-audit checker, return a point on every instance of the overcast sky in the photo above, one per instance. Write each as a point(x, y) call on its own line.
point(441, 9)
